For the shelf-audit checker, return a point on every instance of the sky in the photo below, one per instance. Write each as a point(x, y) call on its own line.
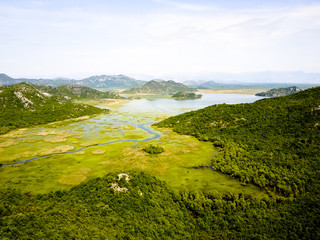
point(157, 38)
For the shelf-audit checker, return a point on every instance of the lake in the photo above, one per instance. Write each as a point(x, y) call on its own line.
point(63, 154)
point(165, 105)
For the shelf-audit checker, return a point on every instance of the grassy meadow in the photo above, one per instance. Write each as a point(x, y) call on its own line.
point(62, 171)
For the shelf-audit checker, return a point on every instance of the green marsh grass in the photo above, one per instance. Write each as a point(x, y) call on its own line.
point(174, 165)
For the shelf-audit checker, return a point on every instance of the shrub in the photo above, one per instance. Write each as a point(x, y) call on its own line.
point(153, 149)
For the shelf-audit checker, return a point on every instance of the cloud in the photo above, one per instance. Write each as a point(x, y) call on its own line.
point(184, 6)
point(157, 41)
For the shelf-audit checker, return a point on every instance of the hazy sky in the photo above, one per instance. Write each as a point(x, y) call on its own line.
point(79, 38)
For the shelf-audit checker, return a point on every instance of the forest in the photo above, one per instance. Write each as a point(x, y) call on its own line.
point(149, 209)
point(24, 105)
point(272, 143)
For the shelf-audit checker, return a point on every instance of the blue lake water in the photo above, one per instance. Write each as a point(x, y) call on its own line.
point(179, 106)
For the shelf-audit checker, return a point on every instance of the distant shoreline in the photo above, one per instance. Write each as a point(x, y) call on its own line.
point(232, 91)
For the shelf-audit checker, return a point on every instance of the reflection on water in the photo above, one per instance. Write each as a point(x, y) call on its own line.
point(179, 106)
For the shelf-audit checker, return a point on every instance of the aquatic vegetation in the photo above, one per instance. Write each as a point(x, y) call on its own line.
point(153, 149)
point(174, 165)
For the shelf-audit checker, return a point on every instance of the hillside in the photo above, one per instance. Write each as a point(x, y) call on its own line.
point(135, 205)
point(278, 92)
point(110, 81)
point(160, 87)
point(186, 95)
point(78, 92)
point(102, 81)
point(6, 80)
point(272, 143)
point(25, 105)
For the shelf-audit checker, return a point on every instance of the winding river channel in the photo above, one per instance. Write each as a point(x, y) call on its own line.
point(141, 126)
point(127, 123)
point(63, 154)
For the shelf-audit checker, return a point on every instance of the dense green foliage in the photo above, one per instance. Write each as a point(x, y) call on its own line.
point(149, 209)
point(160, 87)
point(153, 149)
point(272, 143)
point(77, 92)
point(186, 95)
point(24, 105)
point(278, 92)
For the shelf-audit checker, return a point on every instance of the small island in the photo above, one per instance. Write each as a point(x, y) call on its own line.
point(186, 95)
point(151, 149)
point(279, 92)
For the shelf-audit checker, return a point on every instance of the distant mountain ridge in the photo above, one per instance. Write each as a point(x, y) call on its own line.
point(292, 77)
point(102, 81)
point(278, 92)
point(161, 87)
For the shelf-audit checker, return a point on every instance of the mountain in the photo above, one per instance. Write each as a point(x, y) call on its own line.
point(110, 81)
point(297, 77)
point(278, 92)
point(160, 87)
point(272, 143)
point(186, 95)
point(25, 105)
point(6, 80)
point(201, 84)
point(103, 81)
point(192, 83)
point(78, 92)
point(208, 84)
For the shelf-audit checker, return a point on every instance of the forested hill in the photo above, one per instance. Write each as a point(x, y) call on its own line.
point(78, 92)
point(272, 143)
point(135, 205)
point(24, 105)
point(279, 92)
point(160, 87)
point(185, 95)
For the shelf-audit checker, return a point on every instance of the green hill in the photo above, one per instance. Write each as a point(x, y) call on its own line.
point(135, 205)
point(160, 87)
point(25, 105)
point(272, 143)
point(279, 92)
point(78, 92)
point(186, 95)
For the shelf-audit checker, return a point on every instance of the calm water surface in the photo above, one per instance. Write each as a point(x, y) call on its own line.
point(179, 106)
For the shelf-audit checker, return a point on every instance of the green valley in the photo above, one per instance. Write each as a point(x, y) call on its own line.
point(140, 171)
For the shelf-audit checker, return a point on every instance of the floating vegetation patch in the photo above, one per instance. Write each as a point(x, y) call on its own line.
point(55, 139)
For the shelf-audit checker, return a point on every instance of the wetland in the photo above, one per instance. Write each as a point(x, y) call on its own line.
point(60, 155)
